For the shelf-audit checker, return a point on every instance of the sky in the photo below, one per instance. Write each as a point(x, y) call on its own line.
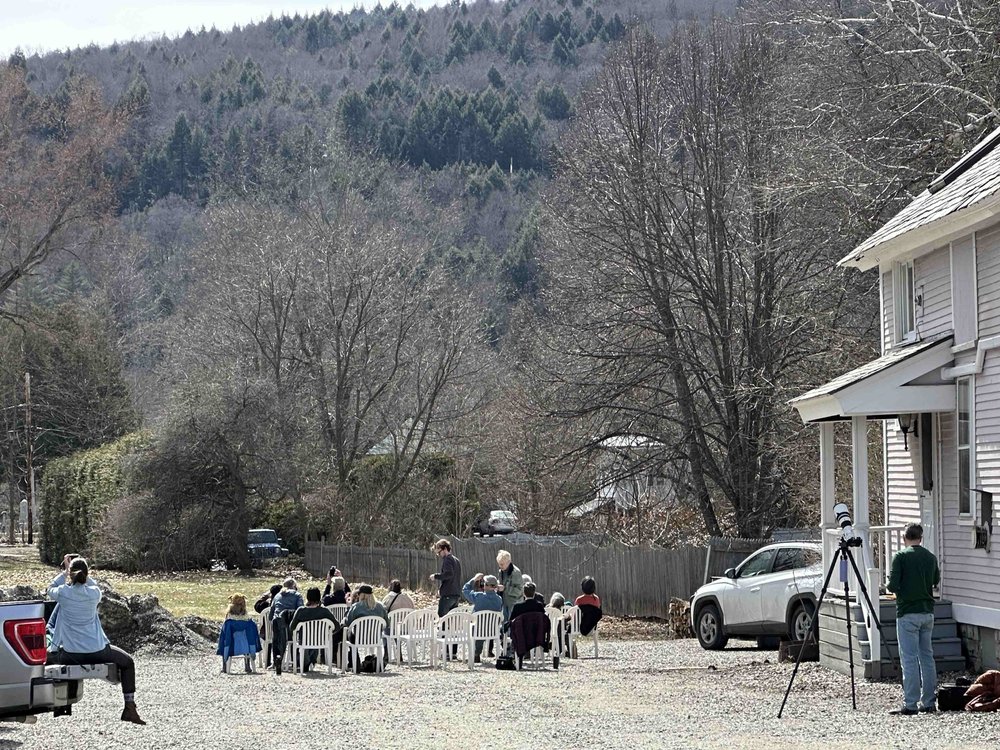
point(46, 25)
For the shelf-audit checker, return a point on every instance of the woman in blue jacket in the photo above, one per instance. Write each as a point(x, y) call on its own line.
point(78, 638)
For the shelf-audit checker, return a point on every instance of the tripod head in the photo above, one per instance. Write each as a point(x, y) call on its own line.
point(847, 536)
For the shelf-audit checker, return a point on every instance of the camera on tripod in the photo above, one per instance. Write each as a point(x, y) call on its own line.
point(847, 536)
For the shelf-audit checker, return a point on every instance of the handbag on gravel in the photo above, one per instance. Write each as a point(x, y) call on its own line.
point(505, 661)
point(952, 697)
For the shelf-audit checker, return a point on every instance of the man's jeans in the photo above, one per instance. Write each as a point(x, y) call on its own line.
point(917, 657)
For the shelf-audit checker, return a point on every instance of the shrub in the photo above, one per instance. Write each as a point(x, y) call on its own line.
point(78, 490)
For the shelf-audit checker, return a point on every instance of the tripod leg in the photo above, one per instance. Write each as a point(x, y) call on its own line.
point(871, 608)
point(814, 626)
point(850, 646)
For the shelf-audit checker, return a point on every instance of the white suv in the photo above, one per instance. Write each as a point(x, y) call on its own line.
point(771, 593)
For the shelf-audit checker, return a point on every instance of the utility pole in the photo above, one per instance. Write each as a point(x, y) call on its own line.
point(30, 468)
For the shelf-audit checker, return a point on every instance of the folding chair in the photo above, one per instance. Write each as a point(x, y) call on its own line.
point(418, 629)
point(368, 633)
point(486, 626)
point(455, 630)
point(314, 634)
point(397, 628)
point(339, 611)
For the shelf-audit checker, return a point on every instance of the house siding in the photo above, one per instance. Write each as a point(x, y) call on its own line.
point(902, 471)
point(988, 272)
point(932, 280)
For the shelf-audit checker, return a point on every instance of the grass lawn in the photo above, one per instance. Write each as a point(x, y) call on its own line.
point(187, 593)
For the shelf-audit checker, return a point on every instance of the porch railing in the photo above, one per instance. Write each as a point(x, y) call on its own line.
point(885, 542)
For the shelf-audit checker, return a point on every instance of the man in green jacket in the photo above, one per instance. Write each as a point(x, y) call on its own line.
point(914, 575)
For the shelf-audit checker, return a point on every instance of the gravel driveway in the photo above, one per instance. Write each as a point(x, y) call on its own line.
point(660, 694)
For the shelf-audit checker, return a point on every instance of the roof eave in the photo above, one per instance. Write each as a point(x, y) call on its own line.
point(927, 236)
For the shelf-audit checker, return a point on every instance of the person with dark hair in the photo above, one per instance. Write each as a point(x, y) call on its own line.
point(590, 606)
point(262, 603)
point(589, 596)
point(449, 579)
point(77, 636)
point(265, 599)
point(530, 603)
point(313, 610)
point(397, 598)
point(914, 574)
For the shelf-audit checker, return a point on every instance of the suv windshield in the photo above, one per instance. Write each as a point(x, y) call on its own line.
point(265, 536)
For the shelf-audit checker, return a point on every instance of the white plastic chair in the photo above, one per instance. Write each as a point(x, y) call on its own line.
point(339, 611)
point(418, 629)
point(574, 633)
point(314, 634)
point(486, 626)
point(455, 629)
point(397, 619)
point(265, 642)
point(557, 630)
point(368, 633)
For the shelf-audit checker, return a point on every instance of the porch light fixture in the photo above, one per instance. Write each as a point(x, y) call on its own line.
point(906, 422)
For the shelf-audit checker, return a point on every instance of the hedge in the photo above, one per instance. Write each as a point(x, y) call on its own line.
point(78, 489)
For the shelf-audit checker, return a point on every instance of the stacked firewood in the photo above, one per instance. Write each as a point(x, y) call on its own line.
point(679, 618)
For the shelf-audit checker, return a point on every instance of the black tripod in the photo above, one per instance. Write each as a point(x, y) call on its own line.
point(843, 556)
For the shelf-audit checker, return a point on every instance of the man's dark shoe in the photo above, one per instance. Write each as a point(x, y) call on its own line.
point(903, 712)
point(479, 659)
point(928, 710)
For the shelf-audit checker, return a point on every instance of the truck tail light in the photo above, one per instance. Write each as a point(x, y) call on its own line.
point(27, 637)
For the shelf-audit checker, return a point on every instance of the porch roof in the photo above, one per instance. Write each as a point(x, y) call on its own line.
point(904, 380)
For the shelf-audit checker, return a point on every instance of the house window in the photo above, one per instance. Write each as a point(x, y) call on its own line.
point(903, 295)
point(966, 467)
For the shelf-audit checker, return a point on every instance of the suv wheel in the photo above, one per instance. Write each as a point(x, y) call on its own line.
point(708, 627)
point(801, 622)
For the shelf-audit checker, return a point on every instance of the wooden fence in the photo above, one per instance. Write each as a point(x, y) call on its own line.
point(631, 581)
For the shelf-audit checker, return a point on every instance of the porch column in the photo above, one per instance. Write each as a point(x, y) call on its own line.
point(827, 490)
point(862, 512)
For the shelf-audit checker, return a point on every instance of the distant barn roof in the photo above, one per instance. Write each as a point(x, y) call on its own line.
point(972, 179)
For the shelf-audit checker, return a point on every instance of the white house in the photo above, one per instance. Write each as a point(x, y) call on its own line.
point(936, 392)
point(629, 477)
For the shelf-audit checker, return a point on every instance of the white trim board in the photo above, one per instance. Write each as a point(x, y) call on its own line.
point(969, 614)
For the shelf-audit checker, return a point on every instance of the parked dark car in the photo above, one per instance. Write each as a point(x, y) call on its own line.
point(264, 544)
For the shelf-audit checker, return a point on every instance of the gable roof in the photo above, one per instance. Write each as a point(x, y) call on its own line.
point(967, 192)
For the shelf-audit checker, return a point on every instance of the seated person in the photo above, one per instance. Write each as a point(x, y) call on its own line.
point(396, 598)
point(530, 603)
point(237, 612)
point(336, 590)
point(486, 600)
point(262, 603)
point(590, 606)
point(283, 608)
point(265, 599)
point(528, 579)
point(533, 637)
point(77, 635)
point(558, 601)
point(365, 606)
point(312, 611)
